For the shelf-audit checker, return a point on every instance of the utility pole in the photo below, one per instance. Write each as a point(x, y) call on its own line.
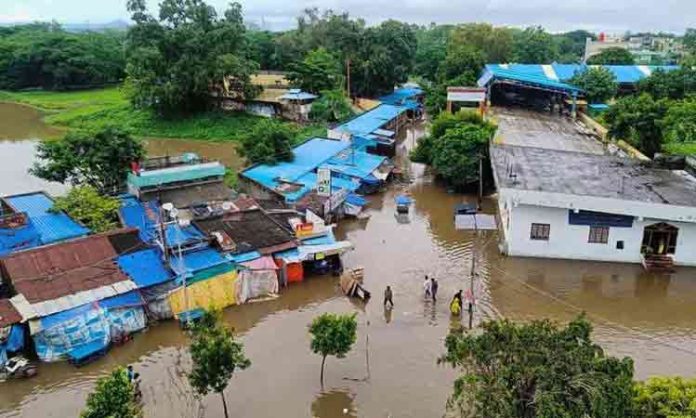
point(348, 78)
point(473, 273)
point(480, 190)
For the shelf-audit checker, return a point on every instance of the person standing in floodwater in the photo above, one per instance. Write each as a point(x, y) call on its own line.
point(433, 288)
point(427, 287)
point(388, 297)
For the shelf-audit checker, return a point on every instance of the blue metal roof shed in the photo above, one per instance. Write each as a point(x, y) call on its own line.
point(372, 120)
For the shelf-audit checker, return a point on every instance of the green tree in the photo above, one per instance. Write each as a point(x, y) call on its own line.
point(215, 355)
point(665, 397)
point(537, 370)
point(84, 204)
point(269, 143)
point(679, 123)
point(571, 45)
point(431, 49)
point(636, 119)
point(332, 106)
point(332, 335)
point(495, 44)
point(674, 84)
point(101, 160)
point(612, 56)
point(598, 83)
point(175, 60)
point(320, 70)
point(689, 41)
point(112, 398)
point(534, 46)
point(261, 49)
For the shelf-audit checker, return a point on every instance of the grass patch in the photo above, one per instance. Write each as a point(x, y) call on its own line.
point(680, 148)
point(95, 109)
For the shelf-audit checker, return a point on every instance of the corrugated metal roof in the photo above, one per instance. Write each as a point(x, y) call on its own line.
point(145, 267)
point(8, 314)
point(125, 300)
point(195, 261)
point(372, 120)
point(557, 75)
point(51, 227)
point(176, 174)
point(354, 163)
point(401, 95)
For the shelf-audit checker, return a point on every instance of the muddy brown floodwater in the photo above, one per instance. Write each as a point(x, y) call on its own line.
point(392, 368)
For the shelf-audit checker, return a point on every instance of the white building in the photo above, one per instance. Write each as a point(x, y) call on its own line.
point(567, 204)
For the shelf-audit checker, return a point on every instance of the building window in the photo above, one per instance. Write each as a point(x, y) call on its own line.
point(619, 245)
point(598, 235)
point(540, 232)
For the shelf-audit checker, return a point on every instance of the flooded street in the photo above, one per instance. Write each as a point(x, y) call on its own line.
point(392, 368)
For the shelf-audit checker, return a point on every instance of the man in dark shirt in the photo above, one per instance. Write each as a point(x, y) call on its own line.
point(388, 297)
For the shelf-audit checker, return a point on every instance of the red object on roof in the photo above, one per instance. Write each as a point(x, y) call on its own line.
point(8, 314)
point(54, 271)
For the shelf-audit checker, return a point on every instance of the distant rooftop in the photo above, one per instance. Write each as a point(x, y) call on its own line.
point(583, 174)
point(161, 171)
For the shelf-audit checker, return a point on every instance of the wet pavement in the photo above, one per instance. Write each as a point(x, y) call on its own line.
point(392, 368)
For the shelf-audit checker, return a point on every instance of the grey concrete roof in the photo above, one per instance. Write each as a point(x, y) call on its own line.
point(538, 169)
point(528, 128)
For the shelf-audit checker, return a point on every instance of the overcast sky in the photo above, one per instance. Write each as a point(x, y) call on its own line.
point(555, 15)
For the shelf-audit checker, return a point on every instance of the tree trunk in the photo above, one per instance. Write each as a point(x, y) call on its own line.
point(321, 378)
point(224, 404)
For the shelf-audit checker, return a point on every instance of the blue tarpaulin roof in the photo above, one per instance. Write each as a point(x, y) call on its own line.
point(83, 351)
point(372, 120)
point(196, 261)
point(555, 76)
point(244, 257)
point(144, 267)
point(354, 163)
point(122, 301)
point(50, 227)
point(58, 318)
point(356, 199)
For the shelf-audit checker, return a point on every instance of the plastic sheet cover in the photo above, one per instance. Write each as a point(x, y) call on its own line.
point(217, 292)
point(12, 340)
point(125, 321)
point(256, 283)
point(69, 330)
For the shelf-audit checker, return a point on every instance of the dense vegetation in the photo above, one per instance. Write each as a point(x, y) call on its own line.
point(113, 397)
point(612, 56)
point(599, 84)
point(84, 204)
point(454, 145)
point(42, 55)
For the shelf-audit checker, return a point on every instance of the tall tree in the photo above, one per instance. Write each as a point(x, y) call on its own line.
point(112, 398)
point(689, 41)
point(598, 83)
point(319, 70)
point(332, 106)
point(332, 335)
point(612, 56)
point(216, 355)
point(674, 84)
point(431, 50)
point(269, 143)
point(534, 46)
point(176, 59)
point(495, 44)
point(101, 160)
point(537, 370)
point(636, 119)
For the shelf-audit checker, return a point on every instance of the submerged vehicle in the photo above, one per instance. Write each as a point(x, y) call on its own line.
point(18, 367)
point(403, 203)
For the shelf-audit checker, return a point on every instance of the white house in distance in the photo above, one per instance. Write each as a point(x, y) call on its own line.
point(560, 202)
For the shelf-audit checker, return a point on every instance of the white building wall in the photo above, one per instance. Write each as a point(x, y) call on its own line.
point(571, 241)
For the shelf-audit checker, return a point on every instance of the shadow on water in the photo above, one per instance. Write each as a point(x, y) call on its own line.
point(336, 403)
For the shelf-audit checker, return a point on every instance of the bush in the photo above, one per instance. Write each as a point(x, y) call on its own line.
point(332, 106)
point(269, 143)
point(598, 83)
point(665, 397)
point(84, 204)
point(112, 398)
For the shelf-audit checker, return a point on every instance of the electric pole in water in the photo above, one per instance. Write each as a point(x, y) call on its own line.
point(472, 275)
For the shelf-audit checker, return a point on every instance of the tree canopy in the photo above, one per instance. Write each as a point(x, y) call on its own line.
point(215, 355)
point(44, 55)
point(534, 45)
point(679, 123)
point(319, 70)
point(268, 143)
point(175, 60)
point(100, 160)
point(598, 83)
point(332, 335)
point(612, 56)
point(674, 84)
point(537, 370)
point(331, 106)
point(636, 119)
point(112, 398)
point(665, 397)
point(84, 204)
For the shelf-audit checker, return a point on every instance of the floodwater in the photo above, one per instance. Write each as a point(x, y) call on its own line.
point(392, 368)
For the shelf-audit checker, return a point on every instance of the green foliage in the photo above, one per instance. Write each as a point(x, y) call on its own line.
point(84, 204)
point(101, 159)
point(268, 143)
point(332, 106)
point(534, 45)
point(598, 83)
point(495, 44)
point(112, 398)
point(612, 56)
point(571, 45)
point(174, 60)
point(675, 84)
point(319, 70)
point(215, 355)
point(332, 335)
point(431, 49)
point(454, 145)
point(537, 370)
point(689, 41)
point(261, 48)
point(44, 55)
point(636, 119)
point(679, 123)
point(665, 397)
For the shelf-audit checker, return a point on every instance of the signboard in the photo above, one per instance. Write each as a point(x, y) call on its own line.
point(324, 182)
point(335, 200)
point(466, 94)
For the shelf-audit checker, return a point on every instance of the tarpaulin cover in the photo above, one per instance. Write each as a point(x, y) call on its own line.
point(196, 261)
point(256, 283)
point(325, 239)
point(145, 217)
point(356, 199)
point(83, 328)
point(144, 267)
point(157, 298)
point(244, 257)
point(263, 263)
point(125, 300)
point(124, 321)
point(402, 200)
point(295, 272)
point(372, 120)
point(13, 341)
point(206, 274)
point(19, 238)
point(217, 292)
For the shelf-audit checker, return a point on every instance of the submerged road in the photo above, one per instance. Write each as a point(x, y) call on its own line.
point(648, 317)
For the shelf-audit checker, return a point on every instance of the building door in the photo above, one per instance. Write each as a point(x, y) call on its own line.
point(659, 239)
